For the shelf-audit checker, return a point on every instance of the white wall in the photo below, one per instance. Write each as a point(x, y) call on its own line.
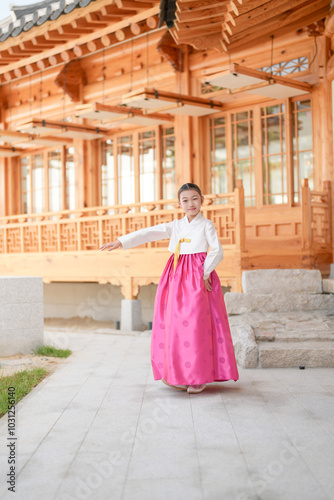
point(100, 302)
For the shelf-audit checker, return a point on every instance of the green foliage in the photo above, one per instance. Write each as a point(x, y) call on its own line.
point(49, 350)
point(23, 382)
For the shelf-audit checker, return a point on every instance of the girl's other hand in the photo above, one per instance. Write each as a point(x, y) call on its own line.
point(112, 245)
point(207, 283)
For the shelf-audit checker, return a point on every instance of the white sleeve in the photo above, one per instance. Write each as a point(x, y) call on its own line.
point(146, 235)
point(216, 253)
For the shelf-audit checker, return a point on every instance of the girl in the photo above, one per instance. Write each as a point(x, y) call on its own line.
point(191, 341)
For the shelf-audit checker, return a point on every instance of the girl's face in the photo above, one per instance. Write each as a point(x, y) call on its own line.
point(191, 203)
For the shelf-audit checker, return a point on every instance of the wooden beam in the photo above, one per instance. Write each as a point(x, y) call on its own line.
point(197, 15)
point(198, 33)
point(274, 8)
point(86, 38)
point(281, 27)
point(199, 5)
point(132, 5)
point(51, 25)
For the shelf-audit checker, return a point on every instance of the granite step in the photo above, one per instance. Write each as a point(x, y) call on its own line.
point(288, 354)
point(328, 285)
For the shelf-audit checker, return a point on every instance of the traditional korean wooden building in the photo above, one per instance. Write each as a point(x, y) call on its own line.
point(108, 106)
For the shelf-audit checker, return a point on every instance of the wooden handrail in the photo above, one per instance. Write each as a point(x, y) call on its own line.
point(208, 199)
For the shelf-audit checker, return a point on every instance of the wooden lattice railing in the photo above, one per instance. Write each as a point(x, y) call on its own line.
point(89, 228)
point(307, 226)
point(316, 216)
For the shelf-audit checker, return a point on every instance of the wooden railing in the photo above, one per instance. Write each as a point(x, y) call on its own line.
point(316, 216)
point(89, 228)
point(307, 226)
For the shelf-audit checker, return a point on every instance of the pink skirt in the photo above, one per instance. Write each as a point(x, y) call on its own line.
point(191, 339)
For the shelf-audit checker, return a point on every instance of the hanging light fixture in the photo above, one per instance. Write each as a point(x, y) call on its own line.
point(8, 152)
point(109, 114)
point(153, 100)
point(242, 79)
point(72, 130)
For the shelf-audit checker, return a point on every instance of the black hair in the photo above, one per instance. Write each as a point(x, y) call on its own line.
point(188, 186)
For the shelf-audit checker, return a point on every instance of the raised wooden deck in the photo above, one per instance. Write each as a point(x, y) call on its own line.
point(64, 246)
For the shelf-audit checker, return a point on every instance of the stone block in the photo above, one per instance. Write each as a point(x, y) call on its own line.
point(310, 354)
point(243, 303)
point(331, 273)
point(22, 341)
point(21, 289)
point(328, 285)
point(131, 317)
point(272, 281)
point(245, 346)
point(21, 314)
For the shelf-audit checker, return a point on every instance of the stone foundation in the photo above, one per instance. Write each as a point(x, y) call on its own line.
point(282, 319)
point(21, 314)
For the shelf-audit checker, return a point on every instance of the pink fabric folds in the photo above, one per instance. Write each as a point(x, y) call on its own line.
point(191, 338)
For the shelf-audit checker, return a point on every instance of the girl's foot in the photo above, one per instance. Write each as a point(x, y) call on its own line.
point(182, 387)
point(194, 389)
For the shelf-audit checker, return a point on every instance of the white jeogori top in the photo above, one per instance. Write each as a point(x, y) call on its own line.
point(200, 231)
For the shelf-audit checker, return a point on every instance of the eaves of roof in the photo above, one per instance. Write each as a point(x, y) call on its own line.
point(28, 16)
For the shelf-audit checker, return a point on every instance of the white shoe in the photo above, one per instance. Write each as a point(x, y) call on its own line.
point(194, 389)
point(182, 387)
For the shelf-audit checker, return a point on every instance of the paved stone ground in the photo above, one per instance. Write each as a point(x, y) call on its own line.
point(100, 427)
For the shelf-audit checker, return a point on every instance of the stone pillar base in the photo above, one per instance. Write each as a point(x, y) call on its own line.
point(131, 318)
point(21, 314)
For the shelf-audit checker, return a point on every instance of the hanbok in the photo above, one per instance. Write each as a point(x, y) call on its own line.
point(191, 340)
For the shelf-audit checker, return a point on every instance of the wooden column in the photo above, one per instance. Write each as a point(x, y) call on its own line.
point(2, 188)
point(12, 181)
point(322, 119)
point(183, 129)
point(91, 165)
point(200, 141)
point(306, 215)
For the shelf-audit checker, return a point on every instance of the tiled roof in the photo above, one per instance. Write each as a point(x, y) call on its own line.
point(25, 17)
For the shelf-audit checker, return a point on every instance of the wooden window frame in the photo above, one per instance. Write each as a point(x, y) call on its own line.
point(158, 131)
point(45, 154)
point(257, 142)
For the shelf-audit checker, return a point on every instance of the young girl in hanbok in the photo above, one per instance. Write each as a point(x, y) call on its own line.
point(191, 343)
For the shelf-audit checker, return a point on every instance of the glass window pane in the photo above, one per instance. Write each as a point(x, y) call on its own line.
point(25, 185)
point(168, 165)
point(302, 145)
point(148, 167)
point(70, 179)
point(243, 153)
point(274, 155)
point(38, 188)
point(108, 174)
point(219, 179)
point(55, 180)
point(126, 174)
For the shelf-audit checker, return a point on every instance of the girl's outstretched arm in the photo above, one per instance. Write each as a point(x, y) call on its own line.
point(112, 245)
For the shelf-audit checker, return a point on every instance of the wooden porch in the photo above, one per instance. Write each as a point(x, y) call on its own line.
point(64, 246)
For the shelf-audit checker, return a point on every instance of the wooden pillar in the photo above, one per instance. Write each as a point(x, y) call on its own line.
point(322, 119)
point(200, 143)
point(12, 183)
point(92, 176)
point(306, 215)
point(2, 188)
point(183, 129)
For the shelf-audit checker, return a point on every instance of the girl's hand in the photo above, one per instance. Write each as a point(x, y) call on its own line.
point(111, 246)
point(207, 284)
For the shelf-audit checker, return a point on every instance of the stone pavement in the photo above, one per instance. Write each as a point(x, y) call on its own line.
point(100, 427)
